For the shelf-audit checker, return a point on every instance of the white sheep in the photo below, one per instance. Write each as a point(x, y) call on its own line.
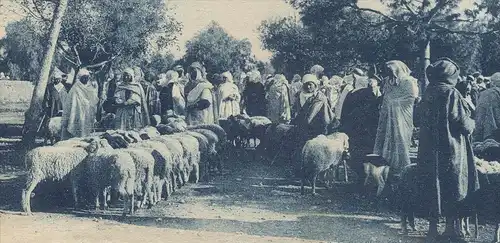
point(320, 154)
point(205, 152)
point(144, 167)
point(54, 163)
point(163, 170)
point(107, 167)
point(179, 160)
point(54, 130)
point(214, 148)
point(192, 150)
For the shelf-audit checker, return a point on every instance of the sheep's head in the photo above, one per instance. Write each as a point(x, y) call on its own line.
point(93, 146)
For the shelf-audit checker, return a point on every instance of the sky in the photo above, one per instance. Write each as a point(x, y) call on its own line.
point(240, 18)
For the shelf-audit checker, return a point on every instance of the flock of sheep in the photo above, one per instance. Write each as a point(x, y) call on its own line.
point(142, 167)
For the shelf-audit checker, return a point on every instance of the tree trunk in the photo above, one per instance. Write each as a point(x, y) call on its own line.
point(426, 61)
point(35, 112)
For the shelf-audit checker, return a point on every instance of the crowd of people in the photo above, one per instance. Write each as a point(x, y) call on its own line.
point(377, 110)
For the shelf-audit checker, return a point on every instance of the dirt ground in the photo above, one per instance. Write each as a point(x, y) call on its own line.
point(250, 202)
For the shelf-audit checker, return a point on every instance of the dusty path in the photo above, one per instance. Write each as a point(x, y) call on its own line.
point(252, 202)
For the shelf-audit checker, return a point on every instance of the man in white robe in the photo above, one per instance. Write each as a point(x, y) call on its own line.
point(79, 108)
point(229, 97)
point(201, 104)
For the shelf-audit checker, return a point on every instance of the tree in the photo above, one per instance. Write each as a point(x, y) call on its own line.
point(219, 51)
point(96, 32)
point(426, 20)
point(35, 110)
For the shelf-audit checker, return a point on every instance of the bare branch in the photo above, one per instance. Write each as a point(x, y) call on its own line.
point(354, 6)
point(77, 55)
point(435, 10)
point(461, 32)
point(407, 5)
point(103, 62)
point(38, 10)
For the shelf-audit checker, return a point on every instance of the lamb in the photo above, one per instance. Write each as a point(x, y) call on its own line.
point(53, 130)
point(144, 167)
point(213, 142)
point(177, 151)
point(163, 168)
point(321, 153)
point(107, 167)
point(192, 148)
point(148, 133)
point(221, 134)
point(53, 163)
point(205, 152)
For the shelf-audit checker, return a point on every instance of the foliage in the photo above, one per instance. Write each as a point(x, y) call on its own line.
point(341, 34)
point(218, 51)
point(95, 32)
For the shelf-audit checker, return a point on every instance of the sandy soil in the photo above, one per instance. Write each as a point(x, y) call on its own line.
point(250, 202)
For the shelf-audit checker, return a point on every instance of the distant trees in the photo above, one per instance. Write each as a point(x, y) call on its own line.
point(218, 50)
point(341, 34)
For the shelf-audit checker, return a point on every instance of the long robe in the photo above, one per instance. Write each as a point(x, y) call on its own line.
point(254, 99)
point(314, 117)
point(202, 92)
point(487, 114)
point(227, 105)
point(53, 99)
point(395, 126)
point(79, 111)
point(132, 117)
point(447, 172)
point(153, 99)
point(278, 103)
point(171, 98)
point(360, 121)
point(295, 88)
point(340, 102)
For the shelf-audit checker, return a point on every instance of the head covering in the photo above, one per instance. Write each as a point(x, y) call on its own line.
point(398, 70)
point(358, 72)
point(178, 68)
point(172, 77)
point(138, 74)
point(443, 71)
point(316, 69)
point(470, 78)
point(82, 73)
point(325, 80)
point(254, 76)
point(130, 72)
point(310, 78)
point(228, 76)
point(495, 80)
point(296, 78)
point(280, 79)
point(197, 66)
point(349, 79)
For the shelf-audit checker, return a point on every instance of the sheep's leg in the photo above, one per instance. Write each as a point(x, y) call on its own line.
point(74, 188)
point(105, 193)
point(432, 233)
point(496, 238)
point(404, 225)
point(411, 220)
point(314, 177)
point(127, 206)
point(97, 195)
point(196, 171)
point(31, 183)
point(346, 179)
point(466, 226)
point(132, 203)
point(302, 182)
point(476, 226)
point(380, 183)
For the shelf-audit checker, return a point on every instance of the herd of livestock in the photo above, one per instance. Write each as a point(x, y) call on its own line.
point(146, 166)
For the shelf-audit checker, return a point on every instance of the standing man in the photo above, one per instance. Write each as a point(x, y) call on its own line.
point(79, 108)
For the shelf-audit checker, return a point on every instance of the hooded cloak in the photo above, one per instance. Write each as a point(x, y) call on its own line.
point(131, 117)
point(201, 101)
point(79, 109)
point(447, 172)
point(228, 97)
point(278, 101)
point(254, 95)
point(395, 126)
point(171, 95)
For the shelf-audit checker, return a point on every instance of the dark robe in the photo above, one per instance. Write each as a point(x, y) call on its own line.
point(254, 98)
point(53, 101)
point(314, 117)
point(359, 121)
point(445, 159)
point(166, 100)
